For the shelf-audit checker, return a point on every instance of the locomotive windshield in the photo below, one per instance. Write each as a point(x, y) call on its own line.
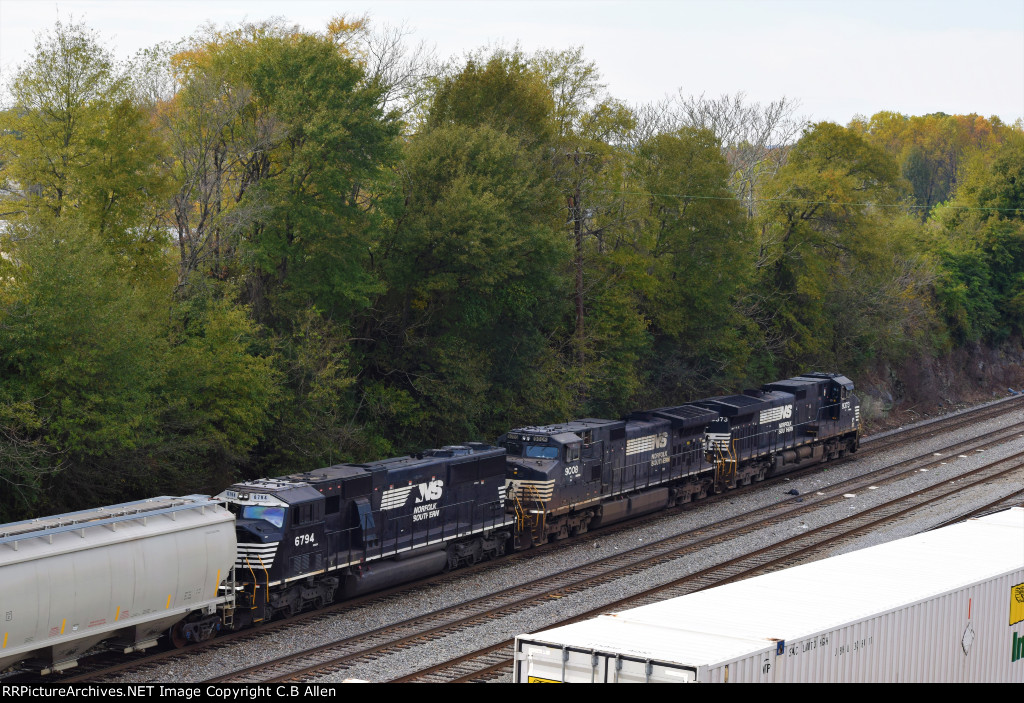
point(273, 515)
point(535, 452)
point(531, 451)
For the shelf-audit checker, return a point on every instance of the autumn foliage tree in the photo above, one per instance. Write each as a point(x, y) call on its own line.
point(833, 251)
point(266, 249)
point(76, 140)
point(931, 149)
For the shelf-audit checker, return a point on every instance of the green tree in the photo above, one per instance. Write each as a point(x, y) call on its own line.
point(77, 140)
point(461, 337)
point(502, 91)
point(839, 266)
point(982, 247)
point(311, 246)
point(588, 165)
point(75, 350)
point(217, 397)
point(279, 141)
point(103, 398)
point(699, 264)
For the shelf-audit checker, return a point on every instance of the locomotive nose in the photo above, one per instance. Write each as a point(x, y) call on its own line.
point(257, 544)
point(529, 469)
point(259, 531)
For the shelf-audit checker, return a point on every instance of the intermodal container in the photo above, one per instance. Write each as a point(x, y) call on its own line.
point(942, 606)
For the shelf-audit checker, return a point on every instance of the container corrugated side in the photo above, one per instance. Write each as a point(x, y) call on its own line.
point(848, 618)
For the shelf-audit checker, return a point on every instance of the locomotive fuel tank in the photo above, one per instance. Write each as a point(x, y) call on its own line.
point(126, 572)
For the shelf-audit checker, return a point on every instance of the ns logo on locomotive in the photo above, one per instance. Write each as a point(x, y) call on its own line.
point(194, 566)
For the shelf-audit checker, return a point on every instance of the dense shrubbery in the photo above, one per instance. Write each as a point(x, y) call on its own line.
point(241, 256)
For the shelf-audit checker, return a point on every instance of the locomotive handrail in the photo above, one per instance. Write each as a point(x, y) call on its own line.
point(255, 584)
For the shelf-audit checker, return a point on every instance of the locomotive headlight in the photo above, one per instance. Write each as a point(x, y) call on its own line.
point(243, 496)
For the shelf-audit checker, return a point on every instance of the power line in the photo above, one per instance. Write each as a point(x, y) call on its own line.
point(810, 202)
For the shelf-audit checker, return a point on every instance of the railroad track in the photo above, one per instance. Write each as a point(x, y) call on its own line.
point(496, 661)
point(106, 665)
point(344, 655)
point(946, 423)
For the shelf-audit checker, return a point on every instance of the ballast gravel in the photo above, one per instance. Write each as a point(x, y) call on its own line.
point(545, 613)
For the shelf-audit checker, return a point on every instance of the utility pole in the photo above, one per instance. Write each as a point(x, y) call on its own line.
point(576, 219)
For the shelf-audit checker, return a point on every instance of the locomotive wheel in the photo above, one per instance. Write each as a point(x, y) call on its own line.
point(177, 636)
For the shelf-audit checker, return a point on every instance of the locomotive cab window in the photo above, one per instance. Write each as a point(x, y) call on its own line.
point(513, 448)
point(572, 452)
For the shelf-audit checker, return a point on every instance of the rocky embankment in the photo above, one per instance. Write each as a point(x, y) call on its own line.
point(921, 387)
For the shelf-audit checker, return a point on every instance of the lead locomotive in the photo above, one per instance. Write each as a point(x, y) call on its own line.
point(354, 528)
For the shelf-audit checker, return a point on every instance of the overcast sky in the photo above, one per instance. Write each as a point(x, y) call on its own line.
point(836, 58)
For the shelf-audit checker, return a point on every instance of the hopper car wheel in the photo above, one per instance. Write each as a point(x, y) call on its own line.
point(177, 636)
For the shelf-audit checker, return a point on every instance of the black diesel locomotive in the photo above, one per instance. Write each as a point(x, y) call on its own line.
point(566, 479)
point(353, 528)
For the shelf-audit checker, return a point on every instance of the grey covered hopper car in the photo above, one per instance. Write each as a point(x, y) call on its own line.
point(126, 572)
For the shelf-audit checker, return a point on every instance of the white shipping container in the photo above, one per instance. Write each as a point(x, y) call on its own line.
point(946, 605)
